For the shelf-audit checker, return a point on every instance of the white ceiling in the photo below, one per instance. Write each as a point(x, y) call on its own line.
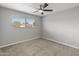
point(31, 7)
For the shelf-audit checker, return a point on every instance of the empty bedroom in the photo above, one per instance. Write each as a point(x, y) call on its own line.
point(39, 29)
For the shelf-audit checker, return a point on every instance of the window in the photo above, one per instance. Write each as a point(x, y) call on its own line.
point(22, 22)
point(18, 21)
point(30, 22)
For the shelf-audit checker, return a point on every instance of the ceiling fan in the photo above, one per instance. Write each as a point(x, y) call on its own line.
point(42, 9)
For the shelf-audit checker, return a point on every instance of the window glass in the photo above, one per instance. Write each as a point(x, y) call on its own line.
point(18, 21)
point(30, 22)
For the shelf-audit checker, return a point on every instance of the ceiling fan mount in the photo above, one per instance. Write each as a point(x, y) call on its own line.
point(42, 9)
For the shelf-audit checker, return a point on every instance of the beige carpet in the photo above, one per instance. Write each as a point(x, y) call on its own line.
point(39, 47)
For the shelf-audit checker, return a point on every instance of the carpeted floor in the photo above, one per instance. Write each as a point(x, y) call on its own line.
point(39, 47)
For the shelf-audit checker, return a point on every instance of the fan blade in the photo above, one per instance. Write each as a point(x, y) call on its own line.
point(36, 11)
point(45, 5)
point(48, 10)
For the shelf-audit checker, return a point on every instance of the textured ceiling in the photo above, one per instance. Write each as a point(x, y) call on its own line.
point(31, 7)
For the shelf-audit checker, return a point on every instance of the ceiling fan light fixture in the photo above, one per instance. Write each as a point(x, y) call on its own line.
point(40, 10)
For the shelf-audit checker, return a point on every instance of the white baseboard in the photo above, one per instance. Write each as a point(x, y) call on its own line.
point(37, 38)
point(17, 42)
point(66, 44)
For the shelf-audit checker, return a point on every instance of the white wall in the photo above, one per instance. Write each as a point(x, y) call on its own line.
point(0, 28)
point(10, 34)
point(63, 27)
